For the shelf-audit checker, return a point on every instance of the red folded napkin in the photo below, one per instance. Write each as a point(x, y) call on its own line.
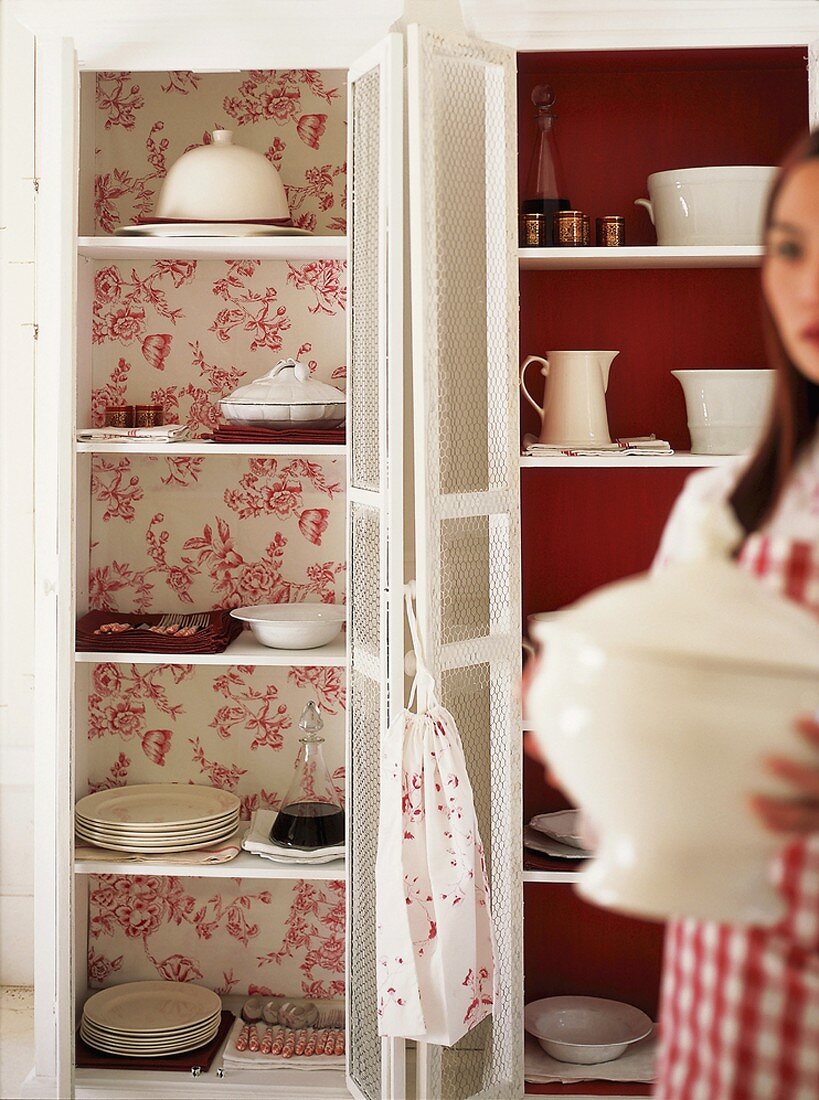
point(214, 637)
point(246, 433)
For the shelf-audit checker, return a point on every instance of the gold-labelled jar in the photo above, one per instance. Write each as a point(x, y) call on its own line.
point(568, 228)
point(611, 231)
point(119, 416)
point(148, 416)
point(586, 230)
point(534, 230)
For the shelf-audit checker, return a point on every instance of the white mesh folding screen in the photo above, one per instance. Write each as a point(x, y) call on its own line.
point(462, 193)
point(375, 533)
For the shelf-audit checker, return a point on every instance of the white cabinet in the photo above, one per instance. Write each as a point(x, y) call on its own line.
point(432, 485)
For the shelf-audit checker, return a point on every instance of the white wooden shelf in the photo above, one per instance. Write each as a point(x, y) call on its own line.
point(647, 256)
point(236, 1084)
point(625, 462)
point(213, 248)
point(206, 447)
point(546, 876)
point(246, 865)
point(245, 650)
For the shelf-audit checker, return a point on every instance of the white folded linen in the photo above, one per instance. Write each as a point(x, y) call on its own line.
point(163, 433)
point(258, 841)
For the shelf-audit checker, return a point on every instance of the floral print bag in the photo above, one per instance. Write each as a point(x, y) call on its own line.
point(434, 939)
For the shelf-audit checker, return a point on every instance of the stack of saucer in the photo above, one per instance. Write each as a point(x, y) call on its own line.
point(156, 818)
point(150, 1019)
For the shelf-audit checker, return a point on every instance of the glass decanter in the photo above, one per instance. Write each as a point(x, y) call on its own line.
point(545, 190)
point(311, 815)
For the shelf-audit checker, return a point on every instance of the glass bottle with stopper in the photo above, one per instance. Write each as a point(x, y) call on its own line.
point(545, 191)
point(311, 815)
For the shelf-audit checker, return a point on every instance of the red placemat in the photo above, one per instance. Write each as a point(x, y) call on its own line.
point(88, 1058)
point(247, 433)
point(215, 637)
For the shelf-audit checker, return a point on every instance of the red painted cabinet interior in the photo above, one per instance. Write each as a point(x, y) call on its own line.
point(622, 116)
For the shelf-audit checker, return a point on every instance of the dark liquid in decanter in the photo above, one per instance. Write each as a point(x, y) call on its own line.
point(309, 825)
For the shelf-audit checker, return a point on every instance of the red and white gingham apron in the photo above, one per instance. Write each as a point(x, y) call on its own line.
point(739, 1006)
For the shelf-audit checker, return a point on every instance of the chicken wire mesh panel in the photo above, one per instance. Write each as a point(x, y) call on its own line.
point(365, 581)
point(365, 317)
point(364, 788)
point(464, 562)
point(468, 405)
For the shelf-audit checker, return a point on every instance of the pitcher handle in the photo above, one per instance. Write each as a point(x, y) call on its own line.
point(649, 205)
point(533, 359)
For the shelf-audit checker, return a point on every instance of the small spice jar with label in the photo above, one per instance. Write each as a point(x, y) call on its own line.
point(568, 228)
point(148, 416)
point(611, 231)
point(119, 416)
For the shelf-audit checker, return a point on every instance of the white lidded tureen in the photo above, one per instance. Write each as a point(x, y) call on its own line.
point(286, 397)
point(655, 702)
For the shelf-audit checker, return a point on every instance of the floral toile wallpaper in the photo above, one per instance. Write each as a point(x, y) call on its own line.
point(192, 532)
point(143, 122)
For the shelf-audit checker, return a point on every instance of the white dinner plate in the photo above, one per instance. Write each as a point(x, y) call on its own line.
point(150, 850)
point(140, 1006)
point(209, 229)
point(563, 825)
point(158, 826)
point(157, 804)
point(200, 1035)
point(539, 842)
point(161, 834)
point(146, 1050)
point(157, 1035)
point(156, 842)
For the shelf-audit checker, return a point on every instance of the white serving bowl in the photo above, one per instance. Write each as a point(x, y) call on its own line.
point(223, 182)
point(585, 1030)
point(655, 702)
point(708, 206)
point(726, 409)
point(293, 625)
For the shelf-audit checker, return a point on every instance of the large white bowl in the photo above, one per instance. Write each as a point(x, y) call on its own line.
point(585, 1030)
point(293, 625)
point(726, 409)
point(654, 703)
point(708, 206)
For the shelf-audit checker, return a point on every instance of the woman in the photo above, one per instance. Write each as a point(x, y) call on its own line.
point(740, 1006)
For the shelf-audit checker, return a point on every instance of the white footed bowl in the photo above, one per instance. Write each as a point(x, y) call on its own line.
point(726, 409)
point(293, 625)
point(654, 703)
point(709, 206)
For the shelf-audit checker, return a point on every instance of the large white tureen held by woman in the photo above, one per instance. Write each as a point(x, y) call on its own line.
point(655, 701)
point(286, 397)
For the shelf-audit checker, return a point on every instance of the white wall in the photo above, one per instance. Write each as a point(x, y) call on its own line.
point(16, 500)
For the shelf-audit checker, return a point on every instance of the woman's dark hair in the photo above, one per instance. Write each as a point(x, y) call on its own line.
point(795, 408)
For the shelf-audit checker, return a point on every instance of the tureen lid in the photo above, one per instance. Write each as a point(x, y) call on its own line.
point(707, 609)
point(288, 383)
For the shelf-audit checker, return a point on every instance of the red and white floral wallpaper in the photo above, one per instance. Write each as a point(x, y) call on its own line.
point(192, 533)
point(143, 122)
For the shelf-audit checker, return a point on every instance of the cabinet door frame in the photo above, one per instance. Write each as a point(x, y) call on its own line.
point(57, 123)
point(469, 519)
point(384, 498)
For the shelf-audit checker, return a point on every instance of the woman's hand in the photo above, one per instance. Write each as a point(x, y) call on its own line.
point(799, 815)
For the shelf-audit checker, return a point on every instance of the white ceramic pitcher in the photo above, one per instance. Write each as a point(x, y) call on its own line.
point(574, 403)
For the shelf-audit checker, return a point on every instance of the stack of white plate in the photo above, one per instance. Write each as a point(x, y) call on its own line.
point(150, 1019)
point(156, 818)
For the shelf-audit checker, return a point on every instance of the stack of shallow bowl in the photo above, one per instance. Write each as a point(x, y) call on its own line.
point(150, 1019)
point(157, 818)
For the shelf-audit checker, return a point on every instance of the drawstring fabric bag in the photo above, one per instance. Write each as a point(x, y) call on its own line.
point(434, 941)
